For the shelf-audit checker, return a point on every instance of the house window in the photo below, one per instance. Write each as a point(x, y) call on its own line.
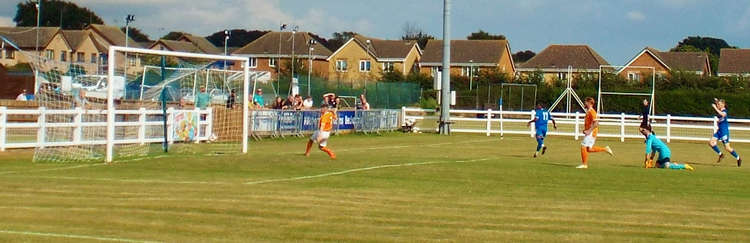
point(364, 65)
point(387, 67)
point(341, 65)
point(562, 76)
point(633, 76)
point(466, 71)
point(132, 61)
point(49, 54)
point(272, 62)
point(63, 56)
point(434, 70)
point(10, 54)
point(253, 62)
point(104, 59)
point(93, 57)
point(81, 57)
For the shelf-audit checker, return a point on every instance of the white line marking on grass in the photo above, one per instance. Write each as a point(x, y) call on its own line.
point(361, 169)
point(406, 146)
point(130, 180)
point(86, 237)
point(49, 169)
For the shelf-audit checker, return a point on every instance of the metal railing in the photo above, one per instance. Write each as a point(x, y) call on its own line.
point(620, 126)
point(280, 123)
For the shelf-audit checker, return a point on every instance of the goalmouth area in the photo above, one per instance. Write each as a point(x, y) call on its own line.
point(388, 187)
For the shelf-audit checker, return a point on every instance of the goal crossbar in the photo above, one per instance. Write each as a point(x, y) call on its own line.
point(618, 70)
point(111, 90)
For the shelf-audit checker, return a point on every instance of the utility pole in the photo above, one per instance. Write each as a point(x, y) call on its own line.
point(226, 39)
point(38, 6)
point(445, 91)
point(282, 27)
point(295, 84)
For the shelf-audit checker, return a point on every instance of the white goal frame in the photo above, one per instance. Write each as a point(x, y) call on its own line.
point(111, 90)
point(619, 69)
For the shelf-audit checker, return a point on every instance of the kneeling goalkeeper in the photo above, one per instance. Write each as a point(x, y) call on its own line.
point(654, 145)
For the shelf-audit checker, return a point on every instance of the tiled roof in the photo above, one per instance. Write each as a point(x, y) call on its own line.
point(113, 35)
point(734, 61)
point(268, 45)
point(202, 43)
point(74, 37)
point(25, 37)
point(562, 56)
point(685, 61)
point(181, 46)
point(466, 51)
point(386, 48)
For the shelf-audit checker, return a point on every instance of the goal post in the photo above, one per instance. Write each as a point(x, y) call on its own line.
point(609, 72)
point(113, 65)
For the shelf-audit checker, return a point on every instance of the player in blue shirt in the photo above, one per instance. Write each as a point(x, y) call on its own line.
point(540, 121)
point(655, 145)
point(722, 132)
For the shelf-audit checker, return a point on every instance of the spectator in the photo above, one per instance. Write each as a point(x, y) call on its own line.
point(288, 103)
point(307, 104)
point(297, 102)
point(79, 97)
point(364, 105)
point(231, 99)
point(21, 96)
point(258, 99)
point(278, 104)
point(202, 99)
point(337, 103)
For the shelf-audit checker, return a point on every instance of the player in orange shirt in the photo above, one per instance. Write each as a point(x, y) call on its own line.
point(591, 129)
point(321, 135)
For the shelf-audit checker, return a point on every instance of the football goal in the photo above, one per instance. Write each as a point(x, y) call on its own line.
point(622, 89)
point(135, 102)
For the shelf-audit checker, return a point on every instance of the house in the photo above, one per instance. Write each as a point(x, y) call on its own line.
point(26, 39)
point(366, 58)
point(664, 62)
point(106, 36)
point(173, 45)
point(265, 52)
point(469, 56)
point(556, 61)
point(202, 44)
point(734, 62)
point(78, 47)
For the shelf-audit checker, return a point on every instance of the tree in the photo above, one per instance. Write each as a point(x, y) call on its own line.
point(238, 37)
point(55, 13)
point(411, 31)
point(137, 35)
point(172, 35)
point(710, 45)
point(481, 35)
point(339, 39)
point(523, 56)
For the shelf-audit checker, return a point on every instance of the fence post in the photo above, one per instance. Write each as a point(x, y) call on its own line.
point(669, 128)
point(622, 127)
point(78, 125)
point(41, 120)
point(403, 116)
point(3, 125)
point(170, 126)
point(577, 132)
point(501, 121)
point(716, 121)
point(142, 126)
point(198, 125)
point(532, 130)
point(209, 131)
point(489, 121)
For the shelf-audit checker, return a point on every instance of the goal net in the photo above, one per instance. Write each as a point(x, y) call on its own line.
point(133, 103)
point(518, 97)
point(622, 89)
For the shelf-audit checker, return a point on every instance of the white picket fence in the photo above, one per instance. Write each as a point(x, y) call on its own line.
point(620, 126)
point(35, 134)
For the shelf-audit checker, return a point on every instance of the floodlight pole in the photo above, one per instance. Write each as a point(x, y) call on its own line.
point(445, 97)
point(278, 60)
point(36, 47)
point(226, 39)
point(309, 68)
point(128, 19)
point(295, 84)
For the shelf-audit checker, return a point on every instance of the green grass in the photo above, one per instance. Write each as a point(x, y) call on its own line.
point(396, 187)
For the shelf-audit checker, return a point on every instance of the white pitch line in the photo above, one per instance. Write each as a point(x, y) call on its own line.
point(49, 169)
point(131, 180)
point(360, 169)
point(71, 236)
point(406, 146)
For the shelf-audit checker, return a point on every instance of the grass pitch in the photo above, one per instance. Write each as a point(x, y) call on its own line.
point(382, 188)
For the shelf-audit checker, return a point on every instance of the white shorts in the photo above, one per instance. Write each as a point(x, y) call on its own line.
point(323, 137)
point(588, 141)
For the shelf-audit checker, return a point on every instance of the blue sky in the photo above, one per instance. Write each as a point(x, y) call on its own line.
point(615, 29)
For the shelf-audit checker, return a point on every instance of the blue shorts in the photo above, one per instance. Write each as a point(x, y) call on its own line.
point(722, 136)
point(541, 132)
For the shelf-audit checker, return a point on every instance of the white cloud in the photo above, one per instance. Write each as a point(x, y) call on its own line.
point(6, 21)
point(636, 16)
